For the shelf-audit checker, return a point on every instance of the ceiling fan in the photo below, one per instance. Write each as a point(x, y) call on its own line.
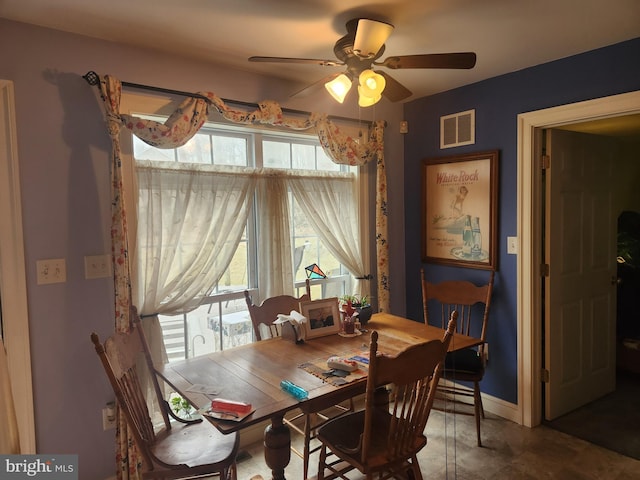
point(359, 51)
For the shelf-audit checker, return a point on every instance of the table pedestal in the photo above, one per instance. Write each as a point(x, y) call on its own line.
point(277, 447)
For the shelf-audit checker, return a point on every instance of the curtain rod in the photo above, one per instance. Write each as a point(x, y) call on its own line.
point(93, 79)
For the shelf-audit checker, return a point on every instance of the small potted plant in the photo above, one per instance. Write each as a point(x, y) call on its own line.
point(357, 303)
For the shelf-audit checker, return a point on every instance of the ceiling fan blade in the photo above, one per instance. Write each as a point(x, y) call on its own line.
point(394, 91)
point(431, 60)
point(314, 87)
point(313, 61)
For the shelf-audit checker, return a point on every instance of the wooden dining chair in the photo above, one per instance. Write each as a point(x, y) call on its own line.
point(384, 439)
point(180, 448)
point(467, 365)
point(267, 312)
point(313, 414)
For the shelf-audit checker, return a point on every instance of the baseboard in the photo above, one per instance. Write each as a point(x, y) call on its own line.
point(497, 406)
point(502, 408)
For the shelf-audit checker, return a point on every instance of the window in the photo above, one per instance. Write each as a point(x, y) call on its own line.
point(221, 320)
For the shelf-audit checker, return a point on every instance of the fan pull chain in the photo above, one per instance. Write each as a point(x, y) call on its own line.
point(446, 429)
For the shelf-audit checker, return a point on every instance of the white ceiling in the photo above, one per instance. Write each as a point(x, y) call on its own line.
point(507, 35)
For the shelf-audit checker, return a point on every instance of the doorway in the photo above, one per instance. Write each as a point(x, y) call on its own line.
point(530, 313)
point(583, 192)
point(589, 180)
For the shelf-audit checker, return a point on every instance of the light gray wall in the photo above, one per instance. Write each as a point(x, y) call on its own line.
point(63, 152)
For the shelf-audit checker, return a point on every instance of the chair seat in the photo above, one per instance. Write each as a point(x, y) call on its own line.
point(463, 362)
point(343, 435)
point(182, 445)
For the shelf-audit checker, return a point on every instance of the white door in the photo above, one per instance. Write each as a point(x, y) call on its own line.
point(580, 249)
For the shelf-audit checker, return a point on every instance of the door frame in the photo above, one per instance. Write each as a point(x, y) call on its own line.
point(13, 284)
point(529, 298)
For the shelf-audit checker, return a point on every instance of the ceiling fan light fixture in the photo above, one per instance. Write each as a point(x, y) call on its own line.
point(365, 100)
point(370, 37)
point(339, 87)
point(371, 83)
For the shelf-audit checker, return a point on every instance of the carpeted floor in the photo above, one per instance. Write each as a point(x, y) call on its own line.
point(612, 422)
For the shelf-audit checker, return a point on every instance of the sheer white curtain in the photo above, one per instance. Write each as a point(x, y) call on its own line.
point(328, 200)
point(275, 263)
point(330, 205)
point(190, 221)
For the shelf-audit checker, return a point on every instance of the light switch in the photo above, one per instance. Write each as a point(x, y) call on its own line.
point(97, 266)
point(512, 245)
point(53, 270)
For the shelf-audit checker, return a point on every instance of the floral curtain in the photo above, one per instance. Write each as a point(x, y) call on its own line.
point(128, 459)
point(111, 92)
point(176, 131)
point(340, 147)
point(382, 232)
point(344, 149)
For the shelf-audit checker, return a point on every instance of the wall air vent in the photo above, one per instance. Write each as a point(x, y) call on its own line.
point(458, 129)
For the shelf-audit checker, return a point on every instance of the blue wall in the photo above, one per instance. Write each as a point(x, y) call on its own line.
point(497, 102)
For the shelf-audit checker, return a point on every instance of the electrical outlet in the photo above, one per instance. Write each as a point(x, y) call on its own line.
point(97, 266)
point(109, 417)
point(53, 270)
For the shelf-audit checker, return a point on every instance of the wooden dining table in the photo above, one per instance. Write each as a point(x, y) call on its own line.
point(252, 373)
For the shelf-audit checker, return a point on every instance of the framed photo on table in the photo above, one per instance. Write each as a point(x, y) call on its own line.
point(323, 317)
point(460, 210)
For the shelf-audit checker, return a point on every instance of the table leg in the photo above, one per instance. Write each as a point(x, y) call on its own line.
point(277, 447)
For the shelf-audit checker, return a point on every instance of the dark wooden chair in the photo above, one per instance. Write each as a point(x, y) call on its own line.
point(468, 365)
point(312, 415)
point(182, 448)
point(383, 440)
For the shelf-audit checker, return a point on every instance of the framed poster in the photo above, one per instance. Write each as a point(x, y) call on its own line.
point(323, 317)
point(459, 210)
